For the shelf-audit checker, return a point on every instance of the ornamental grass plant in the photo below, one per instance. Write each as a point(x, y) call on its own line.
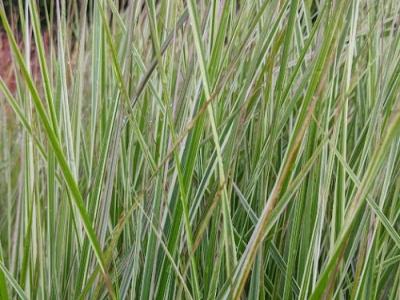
point(216, 149)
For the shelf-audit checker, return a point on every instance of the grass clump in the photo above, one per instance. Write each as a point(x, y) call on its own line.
point(201, 150)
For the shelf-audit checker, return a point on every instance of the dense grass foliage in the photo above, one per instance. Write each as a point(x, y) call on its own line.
point(201, 150)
